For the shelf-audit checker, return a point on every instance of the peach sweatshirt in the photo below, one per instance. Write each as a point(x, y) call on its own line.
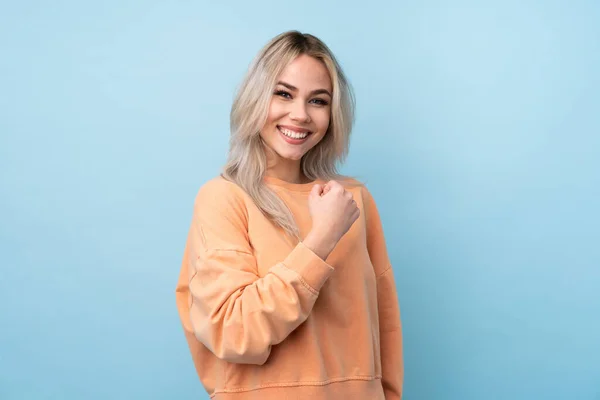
point(268, 319)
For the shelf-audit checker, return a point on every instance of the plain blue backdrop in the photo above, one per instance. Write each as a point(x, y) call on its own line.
point(478, 132)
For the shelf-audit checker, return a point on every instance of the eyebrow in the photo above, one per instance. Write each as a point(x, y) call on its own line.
point(314, 92)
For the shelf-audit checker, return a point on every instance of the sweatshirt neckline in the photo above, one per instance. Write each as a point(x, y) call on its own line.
point(295, 187)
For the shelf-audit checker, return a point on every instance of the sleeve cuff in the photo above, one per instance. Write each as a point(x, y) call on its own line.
point(309, 266)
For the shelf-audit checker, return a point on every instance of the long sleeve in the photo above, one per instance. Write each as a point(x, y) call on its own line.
point(390, 327)
point(235, 313)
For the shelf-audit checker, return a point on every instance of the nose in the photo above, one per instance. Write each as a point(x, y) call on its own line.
point(299, 113)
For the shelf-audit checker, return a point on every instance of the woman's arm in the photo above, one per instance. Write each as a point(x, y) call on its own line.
point(234, 312)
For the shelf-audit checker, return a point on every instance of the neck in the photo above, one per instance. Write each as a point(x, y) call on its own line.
point(291, 175)
point(286, 170)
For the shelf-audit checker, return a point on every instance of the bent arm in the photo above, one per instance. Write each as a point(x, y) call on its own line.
point(232, 311)
point(238, 315)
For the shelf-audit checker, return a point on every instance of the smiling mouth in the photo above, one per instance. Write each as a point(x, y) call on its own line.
point(288, 133)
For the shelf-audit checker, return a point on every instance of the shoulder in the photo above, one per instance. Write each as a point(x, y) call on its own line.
point(219, 186)
point(221, 215)
point(358, 186)
point(351, 183)
point(220, 194)
point(361, 190)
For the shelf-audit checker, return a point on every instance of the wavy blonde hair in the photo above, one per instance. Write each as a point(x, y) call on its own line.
point(247, 163)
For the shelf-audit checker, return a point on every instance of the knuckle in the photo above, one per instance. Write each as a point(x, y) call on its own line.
point(335, 185)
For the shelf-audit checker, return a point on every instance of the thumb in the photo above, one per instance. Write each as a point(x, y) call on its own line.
point(317, 189)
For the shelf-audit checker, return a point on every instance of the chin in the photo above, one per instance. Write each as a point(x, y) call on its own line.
point(293, 156)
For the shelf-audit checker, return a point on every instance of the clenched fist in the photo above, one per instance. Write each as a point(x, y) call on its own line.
point(333, 211)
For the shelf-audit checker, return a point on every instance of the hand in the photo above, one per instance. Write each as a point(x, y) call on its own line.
point(333, 211)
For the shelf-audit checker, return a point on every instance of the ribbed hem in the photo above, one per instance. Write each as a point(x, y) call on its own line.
point(309, 266)
point(359, 389)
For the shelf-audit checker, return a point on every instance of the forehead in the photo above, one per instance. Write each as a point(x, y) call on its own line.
point(306, 73)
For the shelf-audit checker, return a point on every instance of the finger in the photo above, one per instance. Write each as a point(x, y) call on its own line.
point(335, 186)
point(333, 183)
point(317, 190)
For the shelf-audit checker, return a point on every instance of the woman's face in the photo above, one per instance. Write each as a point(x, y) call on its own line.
point(300, 108)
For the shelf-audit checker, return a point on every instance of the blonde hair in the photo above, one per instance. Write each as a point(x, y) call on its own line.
point(247, 163)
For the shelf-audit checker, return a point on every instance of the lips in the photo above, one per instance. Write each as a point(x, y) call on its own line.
point(294, 135)
point(294, 132)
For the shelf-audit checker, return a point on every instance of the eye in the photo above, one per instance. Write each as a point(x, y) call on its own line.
point(320, 102)
point(283, 94)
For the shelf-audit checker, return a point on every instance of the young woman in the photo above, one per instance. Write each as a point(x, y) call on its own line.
point(286, 290)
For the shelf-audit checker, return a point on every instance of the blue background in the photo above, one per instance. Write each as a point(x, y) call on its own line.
point(478, 132)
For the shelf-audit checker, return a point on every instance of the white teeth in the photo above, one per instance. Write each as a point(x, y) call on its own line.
point(292, 134)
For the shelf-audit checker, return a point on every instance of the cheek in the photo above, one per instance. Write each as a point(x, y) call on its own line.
point(276, 112)
point(321, 120)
